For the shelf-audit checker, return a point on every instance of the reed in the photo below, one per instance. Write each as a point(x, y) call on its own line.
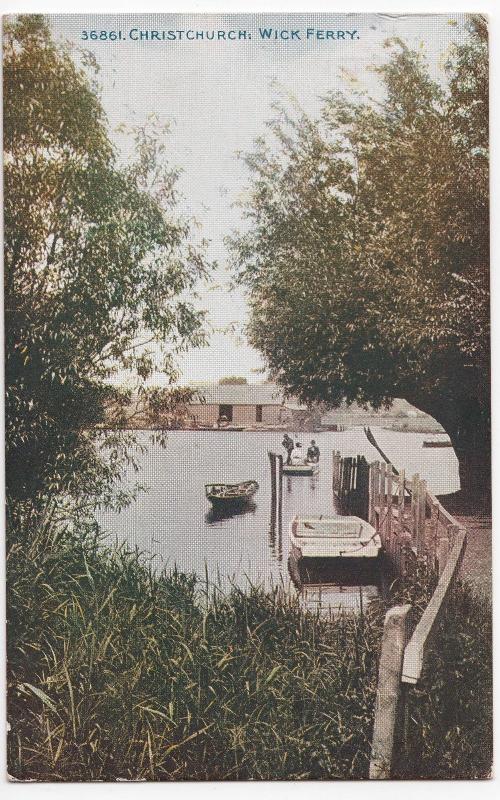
point(116, 672)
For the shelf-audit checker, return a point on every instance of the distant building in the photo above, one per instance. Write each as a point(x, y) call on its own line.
point(247, 405)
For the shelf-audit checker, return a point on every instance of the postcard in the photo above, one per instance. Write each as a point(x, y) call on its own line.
point(248, 468)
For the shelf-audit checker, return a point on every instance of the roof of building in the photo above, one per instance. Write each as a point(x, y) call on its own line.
point(265, 394)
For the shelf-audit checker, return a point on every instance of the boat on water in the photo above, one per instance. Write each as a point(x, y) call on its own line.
point(333, 537)
point(230, 495)
point(301, 468)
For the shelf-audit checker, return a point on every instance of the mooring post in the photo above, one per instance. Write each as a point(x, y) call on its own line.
point(272, 462)
point(279, 464)
point(389, 705)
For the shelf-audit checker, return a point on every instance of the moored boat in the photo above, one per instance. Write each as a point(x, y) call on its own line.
point(230, 495)
point(301, 468)
point(333, 537)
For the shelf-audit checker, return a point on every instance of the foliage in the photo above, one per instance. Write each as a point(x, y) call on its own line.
point(116, 673)
point(451, 713)
point(97, 266)
point(366, 244)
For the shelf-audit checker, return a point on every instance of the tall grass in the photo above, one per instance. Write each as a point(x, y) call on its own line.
point(116, 672)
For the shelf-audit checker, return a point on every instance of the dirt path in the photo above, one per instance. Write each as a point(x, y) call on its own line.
point(477, 565)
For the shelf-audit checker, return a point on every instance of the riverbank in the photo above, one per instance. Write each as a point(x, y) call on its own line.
point(116, 672)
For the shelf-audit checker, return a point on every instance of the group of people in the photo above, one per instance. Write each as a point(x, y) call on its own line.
point(312, 456)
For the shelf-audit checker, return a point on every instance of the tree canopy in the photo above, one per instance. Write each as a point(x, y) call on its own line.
point(98, 264)
point(365, 249)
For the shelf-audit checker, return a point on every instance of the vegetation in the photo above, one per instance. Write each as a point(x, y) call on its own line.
point(450, 731)
point(115, 672)
point(233, 380)
point(96, 264)
point(366, 250)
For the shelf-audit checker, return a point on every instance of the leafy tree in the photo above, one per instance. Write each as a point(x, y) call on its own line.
point(97, 267)
point(366, 247)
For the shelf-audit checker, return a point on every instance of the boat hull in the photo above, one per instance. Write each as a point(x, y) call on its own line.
point(338, 537)
point(226, 504)
point(300, 469)
point(230, 496)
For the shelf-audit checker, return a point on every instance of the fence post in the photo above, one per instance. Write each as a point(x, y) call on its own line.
point(401, 502)
point(422, 492)
point(371, 494)
point(280, 488)
point(389, 502)
point(434, 532)
point(415, 484)
point(389, 711)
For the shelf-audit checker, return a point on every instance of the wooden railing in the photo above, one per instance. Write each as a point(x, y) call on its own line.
point(414, 528)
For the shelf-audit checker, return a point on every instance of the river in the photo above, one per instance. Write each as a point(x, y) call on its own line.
point(172, 522)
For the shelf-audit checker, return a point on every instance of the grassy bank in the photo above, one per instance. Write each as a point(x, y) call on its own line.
point(117, 673)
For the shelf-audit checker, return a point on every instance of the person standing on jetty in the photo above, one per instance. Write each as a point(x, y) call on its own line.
point(287, 443)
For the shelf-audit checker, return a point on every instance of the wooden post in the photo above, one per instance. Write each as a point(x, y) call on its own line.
point(434, 532)
point(381, 503)
point(272, 462)
point(279, 465)
point(389, 502)
point(420, 521)
point(371, 499)
point(401, 502)
point(383, 472)
point(389, 710)
point(415, 485)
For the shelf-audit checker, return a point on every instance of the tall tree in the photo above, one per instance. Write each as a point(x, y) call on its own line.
point(366, 247)
point(97, 264)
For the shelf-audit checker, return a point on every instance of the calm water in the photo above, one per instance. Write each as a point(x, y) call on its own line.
point(174, 524)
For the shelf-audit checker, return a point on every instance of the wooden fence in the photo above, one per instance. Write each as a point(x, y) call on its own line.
point(414, 528)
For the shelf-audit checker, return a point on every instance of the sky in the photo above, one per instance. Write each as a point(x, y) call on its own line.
point(217, 96)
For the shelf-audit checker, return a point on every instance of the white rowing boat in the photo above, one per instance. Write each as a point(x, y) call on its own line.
point(333, 537)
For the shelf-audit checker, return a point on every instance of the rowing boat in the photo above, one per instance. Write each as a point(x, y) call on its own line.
point(333, 537)
point(230, 495)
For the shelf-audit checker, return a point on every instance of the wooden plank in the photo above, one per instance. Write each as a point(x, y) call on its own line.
point(422, 636)
point(388, 723)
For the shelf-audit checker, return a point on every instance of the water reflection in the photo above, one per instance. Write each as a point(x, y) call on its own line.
point(214, 516)
point(336, 585)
